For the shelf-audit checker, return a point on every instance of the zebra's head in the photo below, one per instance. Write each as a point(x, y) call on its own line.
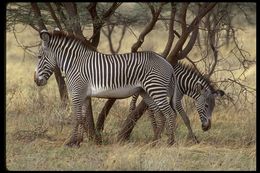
point(46, 62)
point(206, 103)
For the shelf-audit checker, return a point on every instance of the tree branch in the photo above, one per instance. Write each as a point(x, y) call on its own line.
point(172, 57)
point(38, 16)
point(121, 38)
point(63, 18)
point(183, 53)
point(71, 9)
point(171, 32)
point(183, 17)
point(98, 22)
point(54, 15)
point(148, 28)
point(110, 11)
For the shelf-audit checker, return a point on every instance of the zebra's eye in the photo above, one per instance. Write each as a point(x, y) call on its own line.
point(39, 57)
point(206, 106)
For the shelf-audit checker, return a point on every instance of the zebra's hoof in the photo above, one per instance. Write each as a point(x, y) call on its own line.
point(170, 142)
point(154, 142)
point(193, 138)
point(98, 140)
point(72, 143)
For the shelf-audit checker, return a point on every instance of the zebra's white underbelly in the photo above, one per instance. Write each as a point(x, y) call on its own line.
point(122, 92)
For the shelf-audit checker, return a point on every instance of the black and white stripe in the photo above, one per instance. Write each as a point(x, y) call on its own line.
point(187, 81)
point(90, 73)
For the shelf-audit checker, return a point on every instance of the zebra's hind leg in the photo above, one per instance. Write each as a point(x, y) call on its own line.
point(133, 102)
point(154, 124)
point(170, 116)
point(158, 122)
point(158, 125)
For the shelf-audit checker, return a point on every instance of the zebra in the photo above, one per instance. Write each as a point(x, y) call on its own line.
point(189, 82)
point(93, 74)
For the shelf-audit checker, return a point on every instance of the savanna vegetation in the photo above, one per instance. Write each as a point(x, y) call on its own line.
point(221, 43)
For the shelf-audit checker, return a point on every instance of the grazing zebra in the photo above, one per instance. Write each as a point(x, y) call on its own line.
point(93, 74)
point(190, 82)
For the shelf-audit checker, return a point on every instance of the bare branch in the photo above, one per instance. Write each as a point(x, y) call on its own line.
point(111, 11)
point(183, 17)
point(242, 85)
point(148, 28)
point(38, 16)
point(54, 15)
point(193, 63)
point(63, 18)
point(98, 21)
point(183, 53)
point(110, 29)
point(34, 27)
point(71, 9)
point(25, 48)
point(171, 32)
point(121, 38)
point(172, 57)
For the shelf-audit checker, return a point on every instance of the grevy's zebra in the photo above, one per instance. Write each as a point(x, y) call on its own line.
point(93, 74)
point(189, 82)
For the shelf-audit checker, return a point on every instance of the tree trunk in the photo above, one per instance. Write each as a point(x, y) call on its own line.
point(62, 87)
point(130, 122)
point(103, 114)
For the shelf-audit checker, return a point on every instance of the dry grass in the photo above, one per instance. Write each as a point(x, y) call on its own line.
point(36, 128)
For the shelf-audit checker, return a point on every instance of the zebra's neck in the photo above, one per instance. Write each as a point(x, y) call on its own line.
point(187, 80)
point(67, 52)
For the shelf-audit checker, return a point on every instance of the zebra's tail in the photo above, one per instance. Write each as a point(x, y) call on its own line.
point(173, 87)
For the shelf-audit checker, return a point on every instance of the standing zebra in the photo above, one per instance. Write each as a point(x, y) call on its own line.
point(93, 74)
point(190, 82)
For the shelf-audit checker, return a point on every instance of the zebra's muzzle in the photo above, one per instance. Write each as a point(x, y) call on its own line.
point(39, 81)
point(206, 126)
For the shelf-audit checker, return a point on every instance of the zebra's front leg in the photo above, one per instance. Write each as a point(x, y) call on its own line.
point(74, 139)
point(185, 118)
point(88, 122)
point(154, 110)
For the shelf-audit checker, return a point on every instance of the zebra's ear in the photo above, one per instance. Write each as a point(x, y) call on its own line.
point(57, 29)
point(219, 93)
point(45, 36)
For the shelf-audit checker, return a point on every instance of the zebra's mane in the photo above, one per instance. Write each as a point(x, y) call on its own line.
point(200, 74)
point(62, 34)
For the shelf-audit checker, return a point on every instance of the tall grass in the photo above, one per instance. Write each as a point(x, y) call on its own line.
point(36, 128)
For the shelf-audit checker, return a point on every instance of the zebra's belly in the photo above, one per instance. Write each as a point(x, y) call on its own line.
point(118, 93)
